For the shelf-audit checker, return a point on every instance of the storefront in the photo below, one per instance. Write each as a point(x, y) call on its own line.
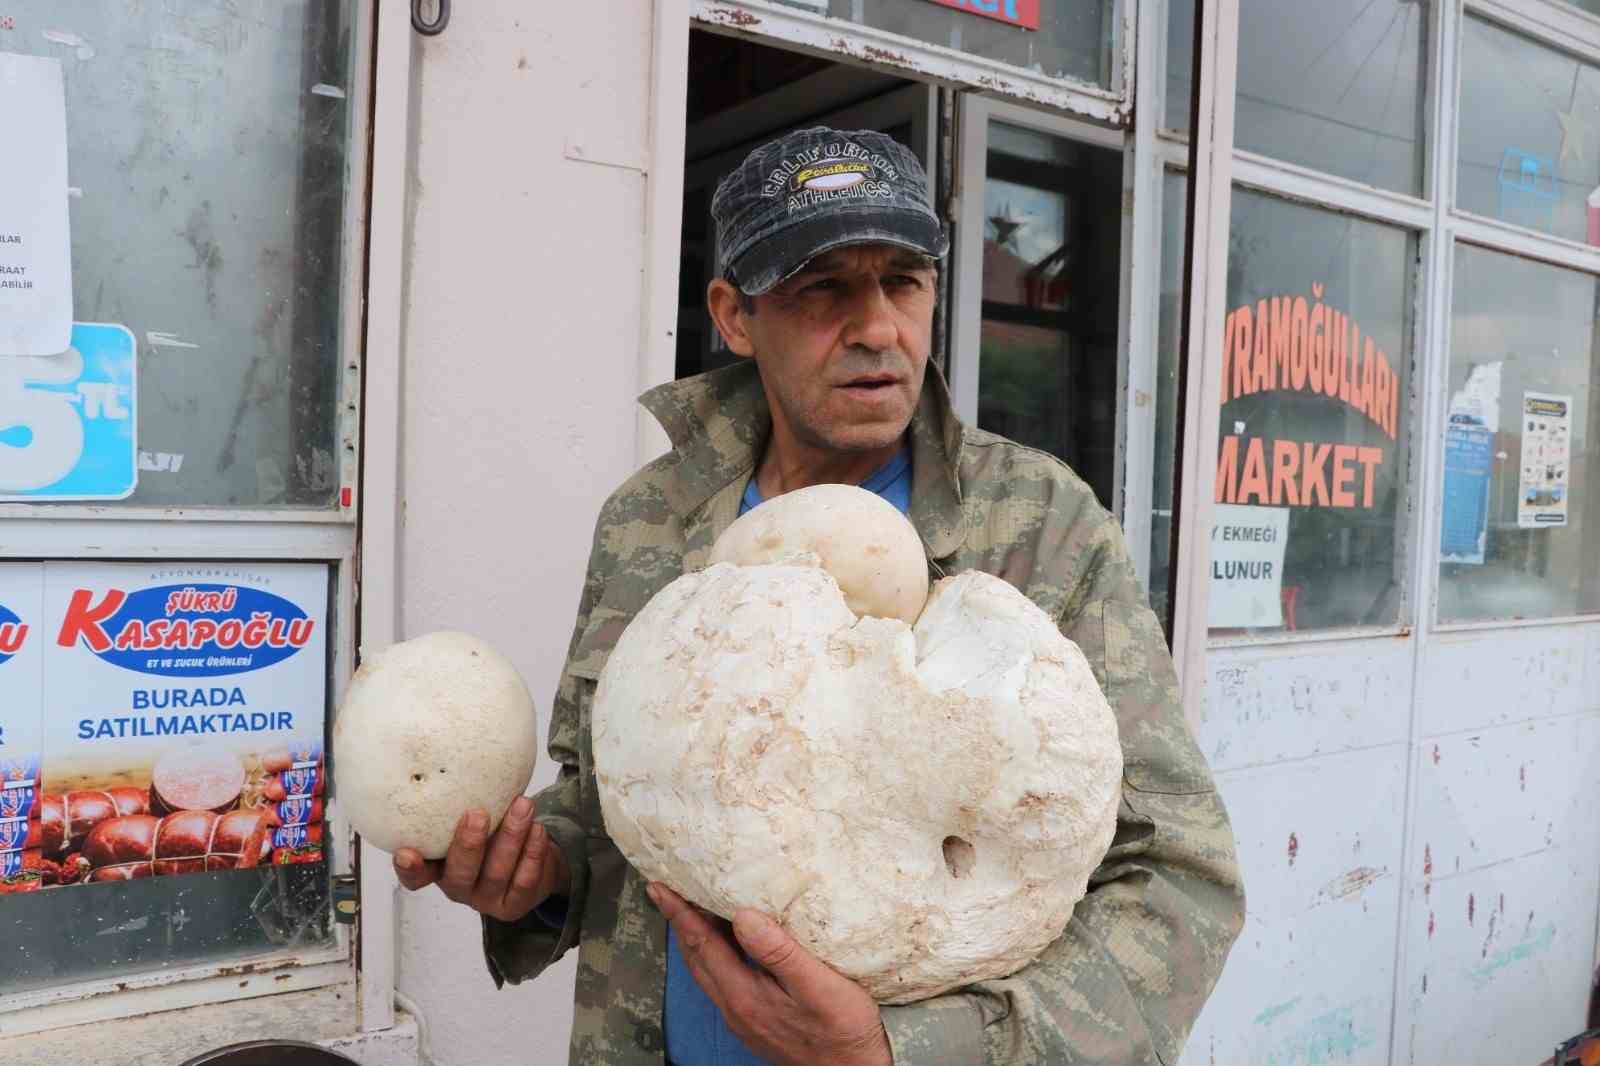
point(355, 319)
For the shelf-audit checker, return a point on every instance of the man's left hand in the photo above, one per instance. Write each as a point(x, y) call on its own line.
point(796, 1013)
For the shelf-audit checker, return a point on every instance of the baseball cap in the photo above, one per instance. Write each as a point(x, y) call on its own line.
point(815, 189)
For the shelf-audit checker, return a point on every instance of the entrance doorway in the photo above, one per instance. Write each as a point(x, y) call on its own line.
point(1031, 319)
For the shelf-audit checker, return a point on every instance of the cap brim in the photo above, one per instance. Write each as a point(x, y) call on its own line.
point(770, 261)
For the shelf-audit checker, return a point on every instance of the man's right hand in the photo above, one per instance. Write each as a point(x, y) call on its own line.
point(504, 875)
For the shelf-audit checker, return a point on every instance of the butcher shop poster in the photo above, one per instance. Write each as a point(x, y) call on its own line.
point(180, 719)
point(21, 721)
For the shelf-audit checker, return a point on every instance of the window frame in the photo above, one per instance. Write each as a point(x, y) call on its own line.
point(891, 51)
point(1440, 225)
point(1550, 24)
point(329, 536)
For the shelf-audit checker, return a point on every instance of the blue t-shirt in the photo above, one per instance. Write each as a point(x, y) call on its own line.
point(695, 1032)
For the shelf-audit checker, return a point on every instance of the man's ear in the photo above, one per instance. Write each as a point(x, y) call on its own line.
point(727, 310)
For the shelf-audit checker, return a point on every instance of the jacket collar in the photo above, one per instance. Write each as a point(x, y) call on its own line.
point(719, 423)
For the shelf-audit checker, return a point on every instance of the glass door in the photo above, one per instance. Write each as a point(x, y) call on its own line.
point(1040, 337)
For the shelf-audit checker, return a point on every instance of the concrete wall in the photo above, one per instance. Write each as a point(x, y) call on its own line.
point(520, 371)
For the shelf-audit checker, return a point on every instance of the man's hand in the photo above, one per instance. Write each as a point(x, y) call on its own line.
point(799, 1012)
point(504, 876)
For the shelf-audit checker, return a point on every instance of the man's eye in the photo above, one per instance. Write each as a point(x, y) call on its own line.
point(905, 281)
point(822, 285)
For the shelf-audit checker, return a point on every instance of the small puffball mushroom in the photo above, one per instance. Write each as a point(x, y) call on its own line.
point(429, 729)
point(921, 807)
point(871, 549)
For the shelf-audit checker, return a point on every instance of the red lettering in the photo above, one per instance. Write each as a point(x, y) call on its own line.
point(1314, 474)
point(1254, 480)
point(1228, 470)
point(131, 636)
point(1370, 459)
point(1285, 465)
point(1333, 379)
point(1322, 354)
point(1241, 354)
point(1282, 334)
point(1261, 365)
point(1299, 345)
point(177, 635)
point(83, 620)
point(1383, 382)
point(300, 630)
point(12, 634)
point(1343, 474)
point(1316, 348)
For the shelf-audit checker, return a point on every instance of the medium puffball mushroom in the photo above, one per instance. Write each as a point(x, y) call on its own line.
point(429, 729)
point(860, 538)
point(921, 807)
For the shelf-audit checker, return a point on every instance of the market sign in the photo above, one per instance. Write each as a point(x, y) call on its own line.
point(1289, 344)
point(1021, 13)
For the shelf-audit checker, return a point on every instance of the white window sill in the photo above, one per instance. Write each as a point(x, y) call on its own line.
point(325, 1016)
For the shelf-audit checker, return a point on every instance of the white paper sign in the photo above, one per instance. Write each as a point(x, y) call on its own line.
point(1247, 545)
point(1542, 496)
point(35, 242)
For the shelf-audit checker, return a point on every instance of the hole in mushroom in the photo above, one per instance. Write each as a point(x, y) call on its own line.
point(416, 777)
point(441, 769)
point(959, 857)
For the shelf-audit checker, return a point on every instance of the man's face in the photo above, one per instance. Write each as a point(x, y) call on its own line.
point(842, 345)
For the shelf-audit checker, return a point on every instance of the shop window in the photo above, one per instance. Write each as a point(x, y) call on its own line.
point(1520, 531)
point(1530, 134)
point(1048, 338)
point(1337, 87)
point(1057, 38)
point(207, 152)
point(1313, 459)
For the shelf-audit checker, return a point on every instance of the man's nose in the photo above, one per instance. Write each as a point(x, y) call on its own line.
point(871, 320)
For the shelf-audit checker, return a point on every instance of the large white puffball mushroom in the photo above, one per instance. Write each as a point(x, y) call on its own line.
point(861, 539)
point(920, 807)
point(429, 729)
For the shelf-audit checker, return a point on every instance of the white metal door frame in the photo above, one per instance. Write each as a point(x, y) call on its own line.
point(966, 303)
point(815, 32)
point(1206, 276)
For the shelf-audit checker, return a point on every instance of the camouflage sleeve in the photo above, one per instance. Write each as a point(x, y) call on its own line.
point(520, 951)
point(1125, 982)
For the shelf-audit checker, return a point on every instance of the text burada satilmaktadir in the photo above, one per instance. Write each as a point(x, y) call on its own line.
point(123, 726)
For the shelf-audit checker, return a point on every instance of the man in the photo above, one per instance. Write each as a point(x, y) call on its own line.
point(829, 249)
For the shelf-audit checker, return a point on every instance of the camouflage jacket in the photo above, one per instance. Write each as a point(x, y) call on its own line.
point(1144, 948)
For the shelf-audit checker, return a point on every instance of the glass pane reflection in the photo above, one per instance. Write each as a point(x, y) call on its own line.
point(1051, 255)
